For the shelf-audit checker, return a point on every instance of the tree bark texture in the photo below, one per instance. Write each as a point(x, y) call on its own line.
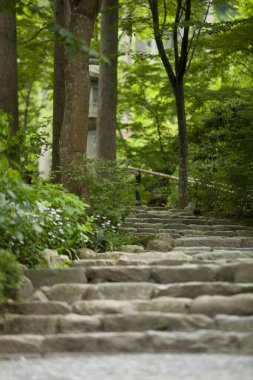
point(73, 139)
point(107, 90)
point(61, 19)
point(183, 144)
point(8, 67)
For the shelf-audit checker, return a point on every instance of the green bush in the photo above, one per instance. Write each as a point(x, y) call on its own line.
point(107, 237)
point(10, 275)
point(38, 216)
point(110, 187)
point(223, 160)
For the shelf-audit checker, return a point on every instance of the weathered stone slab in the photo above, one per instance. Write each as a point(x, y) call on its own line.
point(30, 324)
point(155, 321)
point(247, 242)
point(176, 226)
point(132, 248)
point(43, 308)
point(224, 233)
point(192, 232)
point(236, 272)
point(73, 323)
point(86, 253)
point(196, 289)
point(223, 254)
point(120, 291)
point(195, 221)
point(202, 341)
point(93, 262)
point(146, 230)
point(244, 273)
point(153, 341)
point(233, 323)
point(95, 342)
point(65, 292)
point(244, 233)
point(23, 344)
point(48, 277)
point(219, 222)
point(118, 274)
point(161, 305)
point(184, 273)
point(38, 296)
point(200, 227)
point(102, 307)
point(142, 238)
point(25, 289)
point(159, 245)
point(211, 242)
point(192, 250)
point(239, 304)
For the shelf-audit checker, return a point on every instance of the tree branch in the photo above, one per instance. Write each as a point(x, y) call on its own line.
point(175, 32)
point(185, 41)
point(164, 16)
point(197, 37)
point(160, 46)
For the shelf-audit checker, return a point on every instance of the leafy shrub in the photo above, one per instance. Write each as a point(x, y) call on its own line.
point(107, 237)
point(28, 143)
point(223, 159)
point(110, 187)
point(38, 216)
point(10, 275)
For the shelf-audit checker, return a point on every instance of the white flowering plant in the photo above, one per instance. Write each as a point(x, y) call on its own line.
point(107, 236)
point(38, 216)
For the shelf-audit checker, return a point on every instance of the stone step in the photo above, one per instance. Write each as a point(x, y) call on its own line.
point(170, 260)
point(70, 293)
point(41, 308)
point(40, 277)
point(211, 241)
point(238, 272)
point(135, 321)
point(115, 342)
point(211, 305)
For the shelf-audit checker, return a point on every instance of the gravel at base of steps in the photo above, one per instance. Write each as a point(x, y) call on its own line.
point(131, 367)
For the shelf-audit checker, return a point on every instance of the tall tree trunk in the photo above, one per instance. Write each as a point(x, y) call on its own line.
point(61, 19)
point(183, 143)
point(107, 90)
point(73, 139)
point(8, 66)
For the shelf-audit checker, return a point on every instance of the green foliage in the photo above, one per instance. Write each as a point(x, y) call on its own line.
point(149, 107)
point(223, 159)
point(10, 275)
point(110, 187)
point(35, 62)
point(107, 237)
point(31, 143)
point(38, 216)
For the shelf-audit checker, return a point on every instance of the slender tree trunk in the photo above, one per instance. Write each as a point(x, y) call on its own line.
point(107, 90)
point(183, 144)
point(8, 67)
point(61, 19)
point(73, 139)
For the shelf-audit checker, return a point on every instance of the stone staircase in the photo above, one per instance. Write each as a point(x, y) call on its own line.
point(190, 289)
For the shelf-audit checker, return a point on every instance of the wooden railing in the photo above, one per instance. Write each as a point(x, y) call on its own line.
point(157, 174)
